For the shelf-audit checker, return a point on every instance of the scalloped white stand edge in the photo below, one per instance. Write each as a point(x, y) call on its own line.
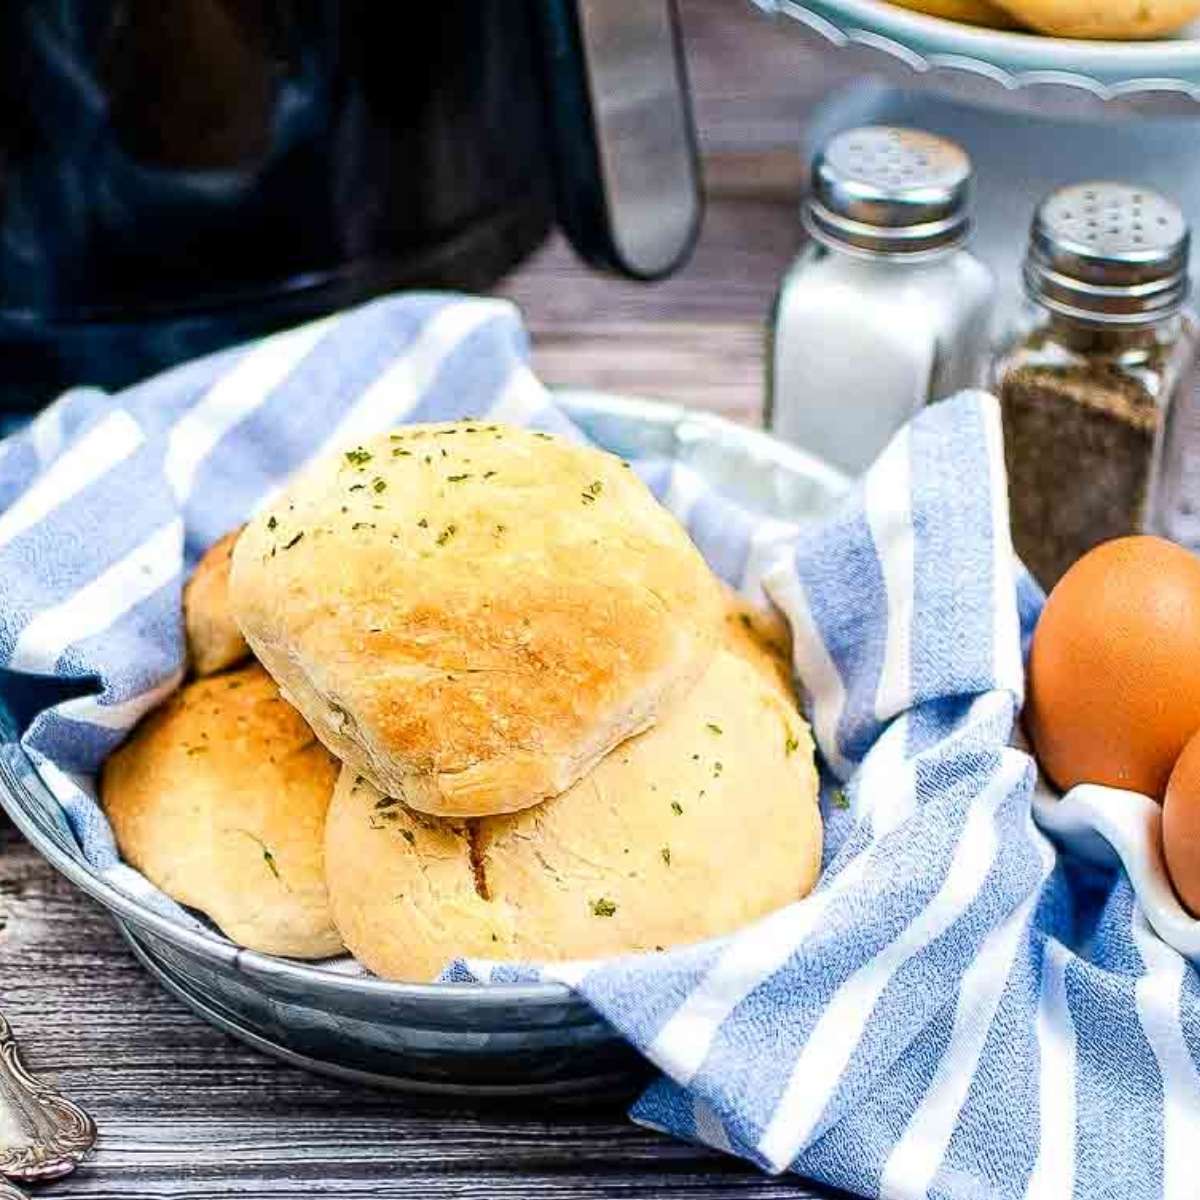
point(1105, 825)
point(1016, 71)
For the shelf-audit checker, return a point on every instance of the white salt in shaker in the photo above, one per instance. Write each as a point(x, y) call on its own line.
point(884, 310)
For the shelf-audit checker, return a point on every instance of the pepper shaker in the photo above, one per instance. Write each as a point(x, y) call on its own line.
point(1096, 381)
point(884, 310)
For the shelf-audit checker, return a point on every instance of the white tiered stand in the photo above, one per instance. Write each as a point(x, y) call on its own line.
point(1034, 112)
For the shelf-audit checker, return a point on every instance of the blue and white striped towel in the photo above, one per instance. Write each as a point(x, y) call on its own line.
point(955, 1012)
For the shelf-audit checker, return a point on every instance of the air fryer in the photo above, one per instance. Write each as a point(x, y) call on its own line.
point(176, 175)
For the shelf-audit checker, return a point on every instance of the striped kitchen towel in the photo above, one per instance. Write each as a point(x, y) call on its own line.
point(956, 1011)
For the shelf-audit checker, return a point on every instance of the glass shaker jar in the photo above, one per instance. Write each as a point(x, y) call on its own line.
point(1095, 379)
point(884, 310)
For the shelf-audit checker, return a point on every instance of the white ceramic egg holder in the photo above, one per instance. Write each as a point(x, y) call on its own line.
point(1106, 826)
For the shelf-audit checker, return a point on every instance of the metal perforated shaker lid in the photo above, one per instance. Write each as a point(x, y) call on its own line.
point(888, 191)
point(1108, 254)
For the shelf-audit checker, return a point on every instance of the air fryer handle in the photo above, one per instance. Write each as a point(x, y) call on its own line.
point(629, 194)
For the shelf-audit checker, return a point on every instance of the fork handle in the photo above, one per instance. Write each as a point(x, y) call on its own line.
point(43, 1135)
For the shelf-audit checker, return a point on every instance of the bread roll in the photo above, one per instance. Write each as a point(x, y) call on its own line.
point(472, 615)
point(692, 829)
point(1118, 20)
point(761, 637)
point(219, 798)
point(968, 12)
point(214, 642)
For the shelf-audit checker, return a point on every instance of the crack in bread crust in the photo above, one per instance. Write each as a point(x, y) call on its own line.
point(632, 857)
point(478, 860)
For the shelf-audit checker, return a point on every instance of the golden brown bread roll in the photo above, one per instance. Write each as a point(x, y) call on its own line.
point(472, 615)
point(219, 798)
point(692, 829)
point(1119, 20)
point(761, 637)
point(968, 12)
point(214, 642)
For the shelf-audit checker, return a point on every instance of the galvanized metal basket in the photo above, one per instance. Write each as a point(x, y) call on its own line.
point(453, 1038)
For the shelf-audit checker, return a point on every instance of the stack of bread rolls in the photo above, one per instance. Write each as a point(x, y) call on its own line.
point(469, 690)
point(1115, 20)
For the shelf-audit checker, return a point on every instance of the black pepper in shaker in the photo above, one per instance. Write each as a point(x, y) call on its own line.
point(1088, 378)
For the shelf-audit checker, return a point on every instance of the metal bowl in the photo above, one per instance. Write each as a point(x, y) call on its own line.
point(444, 1038)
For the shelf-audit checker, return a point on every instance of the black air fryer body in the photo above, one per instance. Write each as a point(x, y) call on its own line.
point(180, 174)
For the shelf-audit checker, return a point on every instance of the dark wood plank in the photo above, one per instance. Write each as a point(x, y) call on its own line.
point(711, 365)
point(746, 245)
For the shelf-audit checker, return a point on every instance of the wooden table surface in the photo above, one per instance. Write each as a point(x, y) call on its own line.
point(185, 1111)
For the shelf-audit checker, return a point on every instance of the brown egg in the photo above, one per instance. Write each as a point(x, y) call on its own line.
point(1114, 671)
point(1181, 827)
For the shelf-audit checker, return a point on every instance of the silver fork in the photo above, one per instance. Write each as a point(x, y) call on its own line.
point(43, 1135)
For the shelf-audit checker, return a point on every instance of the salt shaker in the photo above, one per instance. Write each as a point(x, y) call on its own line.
point(884, 310)
point(1097, 378)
